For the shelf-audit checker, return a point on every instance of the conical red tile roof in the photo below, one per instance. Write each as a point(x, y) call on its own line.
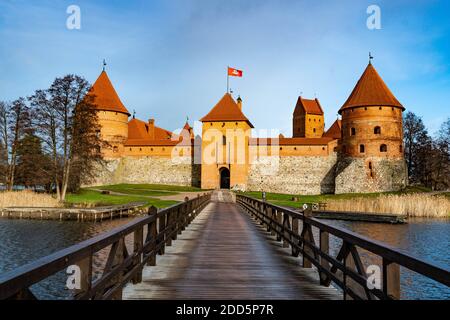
point(226, 110)
point(105, 96)
point(371, 91)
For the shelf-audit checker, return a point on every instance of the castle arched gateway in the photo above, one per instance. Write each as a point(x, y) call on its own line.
point(224, 173)
point(363, 152)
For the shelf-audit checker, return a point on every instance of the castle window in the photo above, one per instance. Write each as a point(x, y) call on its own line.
point(323, 148)
point(383, 148)
point(151, 149)
point(295, 148)
point(224, 140)
point(130, 149)
point(314, 130)
point(281, 148)
point(115, 149)
point(353, 131)
point(380, 108)
point(362, 149)
point(365, 108)
point(140, 149)
point(392, 108)
point(377, 130)
point(400, 148)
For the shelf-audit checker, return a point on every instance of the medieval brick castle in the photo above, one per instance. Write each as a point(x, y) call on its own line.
point(363, 152)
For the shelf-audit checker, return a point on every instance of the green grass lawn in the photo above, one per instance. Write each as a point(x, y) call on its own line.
point(150, 189)
point(286, 199)
point(86, 196)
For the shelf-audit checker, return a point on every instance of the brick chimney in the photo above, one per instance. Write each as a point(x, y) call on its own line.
point(151, 128)
point(239, 103)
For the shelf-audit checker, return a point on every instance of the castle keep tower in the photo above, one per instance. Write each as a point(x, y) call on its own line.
point(225, 139)
point(112, 116)
point(308, 120)
point(371, 153)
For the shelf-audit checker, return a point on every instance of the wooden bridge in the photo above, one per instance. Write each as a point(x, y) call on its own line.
point(224, 246)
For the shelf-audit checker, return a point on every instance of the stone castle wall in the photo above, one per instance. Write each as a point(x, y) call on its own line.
point(294, 175)
point(151, 170)
point(370, 175)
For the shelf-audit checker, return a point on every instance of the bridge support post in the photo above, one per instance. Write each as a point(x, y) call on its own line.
point(286, 227)
point(391, 279)
point(325, 248)
point(294, 240)
point(152, 235)
point(173, 225)
point(169, 226)
point(279, 221)
point(138, 244)
point(85, 266)
point(269, 223)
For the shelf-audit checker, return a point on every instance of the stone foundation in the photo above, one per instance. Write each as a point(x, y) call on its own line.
point(293, 175)
point(151, 170)
point(358, 175)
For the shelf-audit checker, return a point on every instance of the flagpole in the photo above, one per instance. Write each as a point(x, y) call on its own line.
point(228, 80)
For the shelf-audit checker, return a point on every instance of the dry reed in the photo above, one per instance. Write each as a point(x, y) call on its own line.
point(412, 205)
point(27, 198)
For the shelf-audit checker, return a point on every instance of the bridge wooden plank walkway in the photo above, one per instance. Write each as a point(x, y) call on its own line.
point(224, 254)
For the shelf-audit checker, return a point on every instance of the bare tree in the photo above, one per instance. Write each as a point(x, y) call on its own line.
point(416, 140)
point(68, 121)
point(4, 116)
point(14, 123)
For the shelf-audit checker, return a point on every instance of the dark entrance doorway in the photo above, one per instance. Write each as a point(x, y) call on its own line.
point(224, 178)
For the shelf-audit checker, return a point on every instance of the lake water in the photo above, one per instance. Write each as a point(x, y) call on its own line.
point(426, 239)
point(23, 241)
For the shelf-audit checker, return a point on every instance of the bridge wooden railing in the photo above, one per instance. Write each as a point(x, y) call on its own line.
point(150, 236)
point(346, 269)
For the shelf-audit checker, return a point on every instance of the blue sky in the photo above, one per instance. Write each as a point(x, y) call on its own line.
point(167, 59)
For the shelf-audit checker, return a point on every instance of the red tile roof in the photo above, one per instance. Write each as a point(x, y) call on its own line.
point(138, 129)
point(309, 106)
point(290, 141)
point(334, 131)
point(226, 110)
point(139, 134)
point(371, 91)
point(105, 96)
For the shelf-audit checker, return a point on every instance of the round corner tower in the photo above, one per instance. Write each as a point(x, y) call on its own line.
point(371, 154)
point(112, 116)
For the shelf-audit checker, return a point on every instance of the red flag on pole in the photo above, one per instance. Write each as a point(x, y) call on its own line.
point(234, 72)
